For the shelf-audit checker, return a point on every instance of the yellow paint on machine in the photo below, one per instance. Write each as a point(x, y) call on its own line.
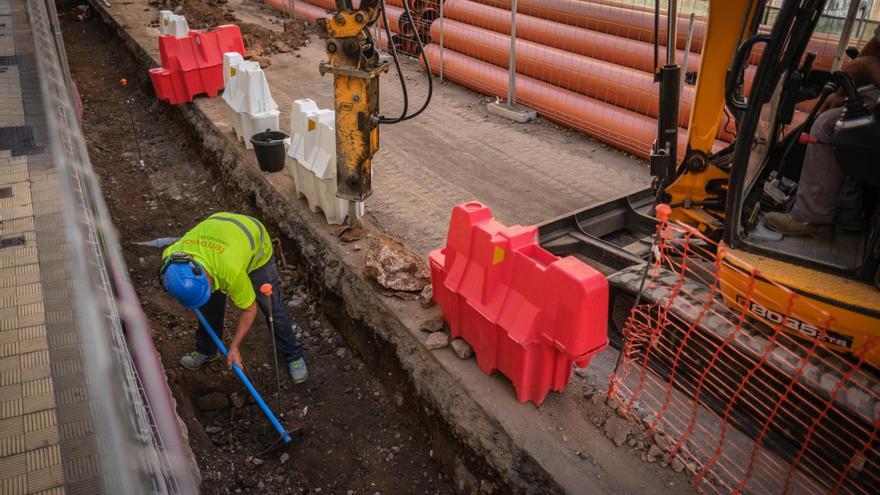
point(843, 314)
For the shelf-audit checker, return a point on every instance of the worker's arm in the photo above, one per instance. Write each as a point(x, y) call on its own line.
point(866, 67)
point(863, 69)
point(241, 291)
point(872, 47)
point(245, 322)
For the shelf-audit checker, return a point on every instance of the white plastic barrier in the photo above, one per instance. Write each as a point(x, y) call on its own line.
point(249, 104)
point(312, 149)
point(170, 23)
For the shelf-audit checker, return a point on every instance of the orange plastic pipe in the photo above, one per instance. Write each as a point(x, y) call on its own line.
point(328, 5)
point(609, 19)
point(621, 86)
point(602, 46)
point(302, 9)
point(428, 15)
point(639, 25)
point(623, 129)
point(393, 14)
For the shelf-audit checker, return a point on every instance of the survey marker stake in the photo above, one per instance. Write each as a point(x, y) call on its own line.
point(124, 83)
point(266, 289)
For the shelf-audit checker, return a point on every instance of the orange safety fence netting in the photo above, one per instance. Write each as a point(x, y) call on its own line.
point(737, 382)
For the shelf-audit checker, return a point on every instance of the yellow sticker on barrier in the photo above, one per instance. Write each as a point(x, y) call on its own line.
point(498, 255)
point(232, 72)
point(165, 22)
point(312, 125)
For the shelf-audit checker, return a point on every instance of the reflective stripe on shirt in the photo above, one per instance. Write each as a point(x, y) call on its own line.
point(259, 254)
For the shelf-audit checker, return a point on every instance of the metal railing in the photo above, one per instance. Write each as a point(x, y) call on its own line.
point(140, 448)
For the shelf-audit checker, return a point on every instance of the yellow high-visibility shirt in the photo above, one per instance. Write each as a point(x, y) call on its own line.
point(229, 246)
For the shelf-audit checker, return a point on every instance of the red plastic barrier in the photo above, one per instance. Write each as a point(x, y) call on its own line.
point(526, 312)
point(193, 64)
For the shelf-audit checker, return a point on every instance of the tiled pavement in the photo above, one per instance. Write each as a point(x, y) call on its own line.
point(46, 433)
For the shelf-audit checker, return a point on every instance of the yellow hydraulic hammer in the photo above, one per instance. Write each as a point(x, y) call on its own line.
point(353, 60)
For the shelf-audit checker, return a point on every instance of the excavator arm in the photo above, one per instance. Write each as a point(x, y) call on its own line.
point(696, 192)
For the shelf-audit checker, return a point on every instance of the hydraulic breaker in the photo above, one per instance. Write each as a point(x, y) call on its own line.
point(355, 64)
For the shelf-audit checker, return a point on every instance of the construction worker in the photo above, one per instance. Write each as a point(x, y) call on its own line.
point(228, 254)
point(825, 196)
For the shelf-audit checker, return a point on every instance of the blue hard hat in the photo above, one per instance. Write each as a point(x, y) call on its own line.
point(187, 281)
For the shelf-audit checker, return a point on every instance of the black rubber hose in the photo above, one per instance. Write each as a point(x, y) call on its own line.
point(402, 117)
point(424, 58)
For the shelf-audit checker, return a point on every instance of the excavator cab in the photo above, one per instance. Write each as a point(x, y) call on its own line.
point(791, 84)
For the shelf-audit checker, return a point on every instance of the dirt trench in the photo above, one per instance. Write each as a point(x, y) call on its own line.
point(355, 439)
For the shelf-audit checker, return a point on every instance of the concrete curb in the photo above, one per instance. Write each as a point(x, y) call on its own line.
point(481, 455)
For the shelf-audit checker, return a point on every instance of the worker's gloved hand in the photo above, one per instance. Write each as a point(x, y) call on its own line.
point(234, 357)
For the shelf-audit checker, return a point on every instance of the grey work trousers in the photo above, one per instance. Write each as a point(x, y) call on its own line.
point(824, 187)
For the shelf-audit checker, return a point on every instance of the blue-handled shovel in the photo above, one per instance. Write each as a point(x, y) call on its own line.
point(284, 438)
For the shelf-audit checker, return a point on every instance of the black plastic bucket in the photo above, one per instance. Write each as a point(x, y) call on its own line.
point(269, 148)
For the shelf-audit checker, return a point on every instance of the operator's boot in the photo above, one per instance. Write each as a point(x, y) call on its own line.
point(786, 225)
point(195, 360)
point(849, 220)
point(298, 370)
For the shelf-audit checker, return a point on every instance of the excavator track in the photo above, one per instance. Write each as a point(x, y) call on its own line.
point(828, 422)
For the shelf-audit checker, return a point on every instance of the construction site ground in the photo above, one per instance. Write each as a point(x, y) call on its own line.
point(381, 412)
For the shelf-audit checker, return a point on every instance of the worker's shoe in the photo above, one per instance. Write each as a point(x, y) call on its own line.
point(786, 225)
point(195, 360)
point(298, 370)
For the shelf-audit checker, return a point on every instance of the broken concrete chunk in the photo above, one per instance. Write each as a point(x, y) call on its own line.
point(663, 442)
point(432, 325)
point(436, 340)
point(617, 429)
point(462, 349)
point(426, 298)
point(237, 400)
point(677, 465)
point(406, 296)
point(395, 267)
point(654, 453)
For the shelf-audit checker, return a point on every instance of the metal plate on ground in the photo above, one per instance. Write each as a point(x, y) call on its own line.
point(19, 139)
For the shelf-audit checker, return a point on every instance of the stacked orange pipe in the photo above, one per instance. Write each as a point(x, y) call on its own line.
point(619, 20)
point(621, 86)
point(301, 9)
point(623, 129)
point(627, 88)
point(602, 46)
point(636, 23)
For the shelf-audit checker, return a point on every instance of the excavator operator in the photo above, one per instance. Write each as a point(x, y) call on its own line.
point(825, 195)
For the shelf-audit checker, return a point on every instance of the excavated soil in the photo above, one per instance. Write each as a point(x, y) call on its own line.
point(260, 42)
point(355, 440)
